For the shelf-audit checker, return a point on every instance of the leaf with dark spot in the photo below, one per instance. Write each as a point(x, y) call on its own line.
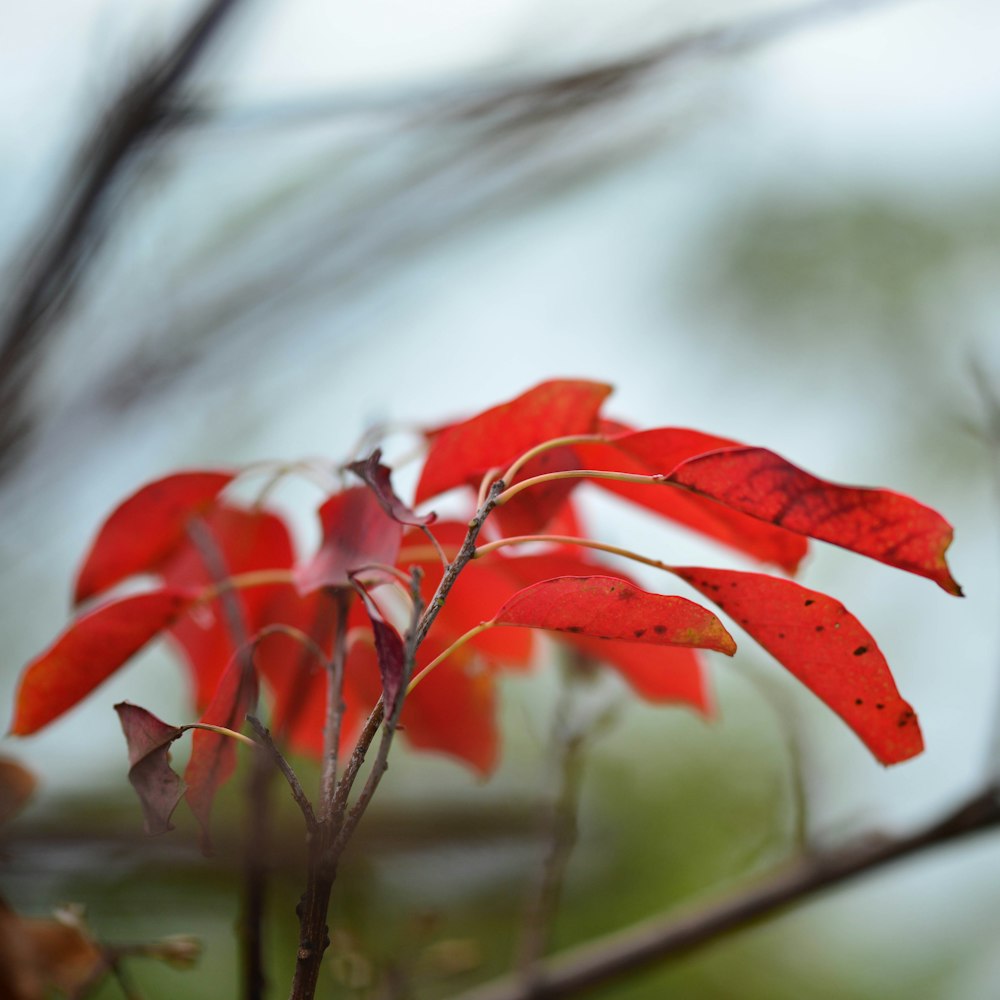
point(378, 479)
point(589, 605)
point(877, 523)
point(156, 783)
point(825, 662)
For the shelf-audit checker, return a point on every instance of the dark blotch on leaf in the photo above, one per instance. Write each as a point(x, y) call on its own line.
point(809, 601)
point(880, 706)
point(574, 628)
point(660, 629)
point(861, 650)
point(859, 701)
point(819, 628)
point(639, 633)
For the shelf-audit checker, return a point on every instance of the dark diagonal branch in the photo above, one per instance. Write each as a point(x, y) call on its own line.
point(646, 944)
point(54, 259)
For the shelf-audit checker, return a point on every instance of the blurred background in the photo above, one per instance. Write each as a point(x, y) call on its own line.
point(770, 222)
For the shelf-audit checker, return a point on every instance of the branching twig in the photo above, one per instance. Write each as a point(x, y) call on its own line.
point(643, 945)
point(301, 799)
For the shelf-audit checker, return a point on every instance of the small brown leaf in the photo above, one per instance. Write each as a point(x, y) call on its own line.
point(158, 786)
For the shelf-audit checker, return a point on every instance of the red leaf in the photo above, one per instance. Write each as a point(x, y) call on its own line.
point(213, 756)
point(608, 607)
point(822, 644)
point(246, 541)
point(158, 786)
point(356, 533)
point(464, 452)
point(885, 526)
point(89, 652)
point(533, 511)
point(658, 451)
point(143, 530)
point(377, 478)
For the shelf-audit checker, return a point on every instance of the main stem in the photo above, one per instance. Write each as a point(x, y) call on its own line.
point(314, 934)
point(335, 823)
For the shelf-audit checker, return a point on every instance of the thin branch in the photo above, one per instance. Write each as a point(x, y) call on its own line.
point(334, 712)
point(651, 942)
point(301, 799)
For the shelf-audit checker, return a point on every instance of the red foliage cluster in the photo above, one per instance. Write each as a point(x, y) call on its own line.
point(243, 609)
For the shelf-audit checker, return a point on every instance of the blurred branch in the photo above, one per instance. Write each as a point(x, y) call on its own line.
point(55, 257)
point(643, 945)
point(549, 95)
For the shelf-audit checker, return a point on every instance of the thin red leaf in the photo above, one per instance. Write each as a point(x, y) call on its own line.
point(378, 479)
point(89, 652)
point(390, 652)
point(823, 645)
point(145, 528)
point(464, 452)
point(213, 756)
point(156, 783)
point(657, 451)
point(357, 533)
point(877, 523)
point(608, 607)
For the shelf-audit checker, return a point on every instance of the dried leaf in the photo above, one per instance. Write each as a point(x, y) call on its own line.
point(156, 783)
point(378, 479)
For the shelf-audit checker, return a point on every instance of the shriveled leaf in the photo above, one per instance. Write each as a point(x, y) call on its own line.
point(886, 526)
point(89, 652)
point(658, 451)
point(357, 532)
point(145, 528)
point(464, 452)
point(213, 756)
point(823, 645)
point(244, 541)
point(156, 783)
point(608, 607)
point(391, 659)
point(17, 785)
point(63, 955)
point(378, 479)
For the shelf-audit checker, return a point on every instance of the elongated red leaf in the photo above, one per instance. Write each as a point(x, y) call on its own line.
point(378, 478)
point(877, 523)
point(143, 530)
point(657, 451)
point(608, 607)
point(823, 645)
point(464, 452)
point(156, 783)
point(213, 756)
point(357, 532)
point(89, 652)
